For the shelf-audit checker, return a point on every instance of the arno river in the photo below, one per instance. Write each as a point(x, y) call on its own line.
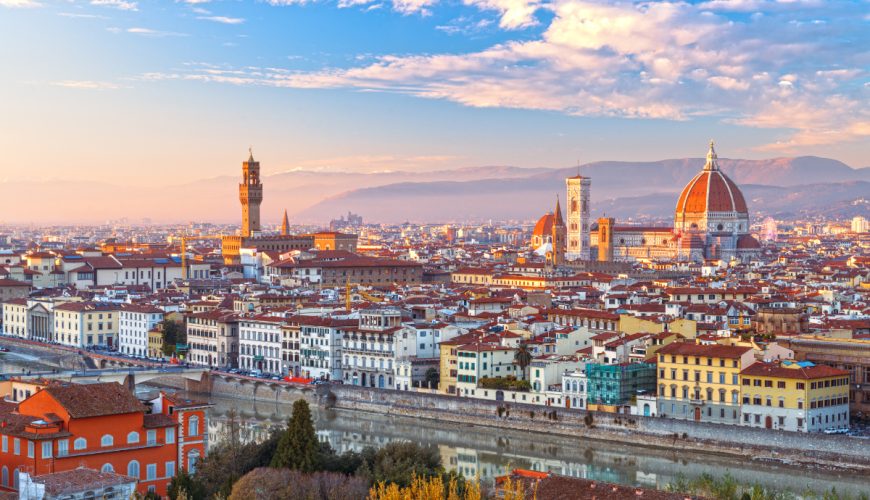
point(487, 452)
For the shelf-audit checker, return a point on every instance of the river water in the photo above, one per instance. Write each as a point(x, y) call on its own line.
point(486, 452)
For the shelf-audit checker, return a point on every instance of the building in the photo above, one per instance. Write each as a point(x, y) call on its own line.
point(260, 344)
point(481, 360)
point(213, 339)
point(795, 396)
point(334, 268)
point(578, 188)
point(290, 332)
point(320, 346)
point(369, 349)
point(250, 195)
point(80, 482)
point(852, 355)
point(85, 324)
point(155, 343)
point(701, 382)
point(610, 386)
point(134, 323)
point(100, 426)
point(13, 289)
point(860, 225)
point(711, 220)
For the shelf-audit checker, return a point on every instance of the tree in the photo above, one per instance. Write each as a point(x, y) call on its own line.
point(173, 334)
point(523, 357)
point(432, 378)
point(284, 484)
point(400, 463)
point(185, 486)
point(298, 447)
point(433, 488)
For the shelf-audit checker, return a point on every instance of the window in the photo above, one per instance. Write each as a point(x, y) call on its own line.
point(62, 447)
point(80, 444)
point(193, 426)
point(5, 444)
point(5, 478)
point(192, 460)
point(16, 446)
point(170, 469)
point(151, 436)
point(150, 472)
point(133, 469)
point(46, 449)
point(107, 440)
point(133, 437)
point(107, 468)
point(30, 449)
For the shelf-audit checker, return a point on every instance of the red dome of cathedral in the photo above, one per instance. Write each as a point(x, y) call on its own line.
point(711, 191)
point(544, 227)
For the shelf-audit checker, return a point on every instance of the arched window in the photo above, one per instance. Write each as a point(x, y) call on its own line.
point(133, 469)
point(5, 476)
point(15, 479)
point(107, 468)
point(193, 426)
point(107, 440)
point(133, 437)
point(192, 459)
point(80, 444)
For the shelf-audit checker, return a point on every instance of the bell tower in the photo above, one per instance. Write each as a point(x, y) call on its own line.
point(251, 195)
point(578, 217)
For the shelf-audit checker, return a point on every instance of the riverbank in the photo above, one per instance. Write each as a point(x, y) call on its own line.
point(820, 451)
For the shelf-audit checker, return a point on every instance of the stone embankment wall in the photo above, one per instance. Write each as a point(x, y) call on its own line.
point(816, 450)
point(780, 446)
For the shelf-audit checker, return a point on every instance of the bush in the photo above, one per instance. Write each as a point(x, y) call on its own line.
point(283, 484)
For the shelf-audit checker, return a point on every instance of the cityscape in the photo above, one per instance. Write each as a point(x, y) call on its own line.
point(377, 299)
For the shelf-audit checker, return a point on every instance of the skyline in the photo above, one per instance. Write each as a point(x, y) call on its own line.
point(176, 91)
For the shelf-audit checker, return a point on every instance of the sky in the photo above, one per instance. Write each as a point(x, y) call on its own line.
point(156, 92)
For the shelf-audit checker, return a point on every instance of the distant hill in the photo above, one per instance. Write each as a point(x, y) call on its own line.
point(623, 189)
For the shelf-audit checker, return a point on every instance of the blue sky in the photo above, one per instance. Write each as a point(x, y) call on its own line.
point(171, 91)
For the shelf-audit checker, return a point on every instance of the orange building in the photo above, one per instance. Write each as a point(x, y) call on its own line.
point(100, 426)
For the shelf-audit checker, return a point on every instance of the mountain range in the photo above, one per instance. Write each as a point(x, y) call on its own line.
point(780, 186)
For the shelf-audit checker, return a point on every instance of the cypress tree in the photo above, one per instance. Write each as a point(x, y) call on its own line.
point(298, 446)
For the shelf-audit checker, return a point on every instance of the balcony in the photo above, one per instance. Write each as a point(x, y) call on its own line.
point(696, 402)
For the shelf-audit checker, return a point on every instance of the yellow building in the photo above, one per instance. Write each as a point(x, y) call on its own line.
point(155, 344)
point(701, 382)
point(795, 396)
point(85, 324)
point(630, 324)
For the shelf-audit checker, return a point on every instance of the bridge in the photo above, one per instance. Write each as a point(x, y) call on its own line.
point(126, 376)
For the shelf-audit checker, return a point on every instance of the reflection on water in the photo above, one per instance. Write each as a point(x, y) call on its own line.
point(486, 453)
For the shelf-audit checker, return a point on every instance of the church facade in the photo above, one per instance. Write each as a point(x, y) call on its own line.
point(711, 221)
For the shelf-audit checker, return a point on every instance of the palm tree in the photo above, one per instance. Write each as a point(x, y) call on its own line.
point(523, 357)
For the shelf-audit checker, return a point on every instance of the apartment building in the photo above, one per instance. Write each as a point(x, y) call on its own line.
point(134, 323)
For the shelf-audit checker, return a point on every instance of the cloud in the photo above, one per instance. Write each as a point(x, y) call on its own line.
point(86, 85)
point(151, 32)
point(117, 4)
point(660, 60)
point(20, 4)
point(77, 15)
point(222, 19)
point(515, 14)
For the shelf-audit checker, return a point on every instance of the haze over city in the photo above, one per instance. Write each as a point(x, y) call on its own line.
point(145, 95)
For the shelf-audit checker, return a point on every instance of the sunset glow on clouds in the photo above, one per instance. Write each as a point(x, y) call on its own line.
point(775, 77)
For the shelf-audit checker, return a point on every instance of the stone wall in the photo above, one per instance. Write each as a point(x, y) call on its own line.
point(764, 444)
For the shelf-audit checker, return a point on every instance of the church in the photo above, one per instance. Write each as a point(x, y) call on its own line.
point(711, 221)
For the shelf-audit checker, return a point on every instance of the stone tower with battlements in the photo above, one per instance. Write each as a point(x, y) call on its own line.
point(251, 195)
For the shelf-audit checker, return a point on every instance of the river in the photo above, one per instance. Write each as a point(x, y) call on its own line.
point(486, 452)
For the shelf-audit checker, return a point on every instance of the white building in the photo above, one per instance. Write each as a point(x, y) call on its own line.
point(320, 346)
point(213, 339)
point(260, 344)
point(574, 389)
point(369, 349)
point(860, 224)
point(134, 323)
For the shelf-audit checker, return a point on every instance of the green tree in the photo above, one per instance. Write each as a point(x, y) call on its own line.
point(298, 447)
point(173, 334)
point(185, 486)
point(400, 463)
point(523, 357)
point(432, 378)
